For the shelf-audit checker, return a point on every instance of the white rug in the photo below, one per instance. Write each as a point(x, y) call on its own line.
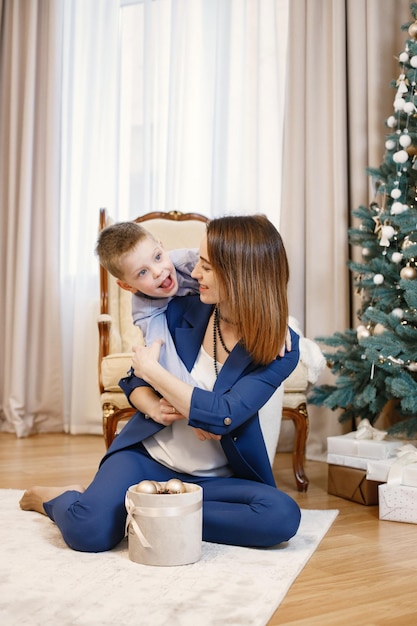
point(43, 582)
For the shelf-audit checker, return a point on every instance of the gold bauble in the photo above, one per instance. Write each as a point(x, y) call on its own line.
point(408, 273)
point(146, 486)
point(412, 30)
point(379, 329)
point(174, 485)
point(407, 243)
point(411, 150)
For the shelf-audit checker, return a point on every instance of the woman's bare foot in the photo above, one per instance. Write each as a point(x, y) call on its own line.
point(33, 498)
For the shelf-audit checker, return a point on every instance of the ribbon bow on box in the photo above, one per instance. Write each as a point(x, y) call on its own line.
point(406, 455)
point(367, 431)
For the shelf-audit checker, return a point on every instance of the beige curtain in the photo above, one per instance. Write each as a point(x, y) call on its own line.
point(341, 61)
point(30, 346)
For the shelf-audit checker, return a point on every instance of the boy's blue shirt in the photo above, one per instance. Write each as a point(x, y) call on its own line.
point(149, 313)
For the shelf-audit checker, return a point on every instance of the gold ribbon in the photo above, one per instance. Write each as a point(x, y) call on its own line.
point(149, 511)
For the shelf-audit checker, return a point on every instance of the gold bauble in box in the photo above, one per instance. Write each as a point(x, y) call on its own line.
point(408, 273)
point(412, 30)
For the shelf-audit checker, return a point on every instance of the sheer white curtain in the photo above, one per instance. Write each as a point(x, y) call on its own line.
point(202, 99)
point(31, 387)
point(88, 181)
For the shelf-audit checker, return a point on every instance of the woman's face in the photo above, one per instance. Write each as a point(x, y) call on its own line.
point(203, 272)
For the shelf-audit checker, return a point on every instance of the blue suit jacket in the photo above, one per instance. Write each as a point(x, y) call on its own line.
point(231, 409)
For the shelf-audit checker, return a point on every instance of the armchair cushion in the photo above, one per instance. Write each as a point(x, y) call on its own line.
point(113, 367)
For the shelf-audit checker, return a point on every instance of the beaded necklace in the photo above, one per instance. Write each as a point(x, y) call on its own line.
point(217, 333)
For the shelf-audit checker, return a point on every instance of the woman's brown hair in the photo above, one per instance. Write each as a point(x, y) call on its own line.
point(249, 258)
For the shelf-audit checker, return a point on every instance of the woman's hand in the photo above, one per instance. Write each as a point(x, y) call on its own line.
point(168, 413)
point(204, 435)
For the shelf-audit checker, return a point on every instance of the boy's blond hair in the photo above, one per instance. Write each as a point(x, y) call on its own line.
point(116, 241)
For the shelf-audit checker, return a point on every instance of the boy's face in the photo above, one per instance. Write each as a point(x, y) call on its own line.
point(149, 270)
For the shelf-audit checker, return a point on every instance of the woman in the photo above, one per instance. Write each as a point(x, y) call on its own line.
point(208, 434)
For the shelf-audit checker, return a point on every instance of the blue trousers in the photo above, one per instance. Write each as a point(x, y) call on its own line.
point(235, 511)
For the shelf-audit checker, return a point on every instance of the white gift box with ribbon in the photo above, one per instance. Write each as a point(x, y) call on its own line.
point(356, 462)
point(165, 529)
point(400, 470)
point(367, 442)
point(398, 503)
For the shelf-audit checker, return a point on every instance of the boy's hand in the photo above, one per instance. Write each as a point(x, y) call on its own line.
point(144, 357)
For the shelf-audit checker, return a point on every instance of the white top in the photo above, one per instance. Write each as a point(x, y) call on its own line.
point(177, 446)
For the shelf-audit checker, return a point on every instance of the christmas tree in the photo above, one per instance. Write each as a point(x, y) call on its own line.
point(375, 364)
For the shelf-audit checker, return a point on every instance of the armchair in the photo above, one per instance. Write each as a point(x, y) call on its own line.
point(117, 335)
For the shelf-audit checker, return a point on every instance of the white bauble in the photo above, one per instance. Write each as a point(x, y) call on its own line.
point(395, 193)
point(413, 61)
point(396, 257)
point(378, 279)
point(362, 332)
point(400, 157)
point(397, 208)
point(399, 313)
point(390, 144)
point(405, 141)
point(403, 58)
point(409, 108)
point(391, 122)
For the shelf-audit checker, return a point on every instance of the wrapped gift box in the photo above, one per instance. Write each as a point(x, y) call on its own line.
point(349, 461)
point(351, 483)
point(379, 470)
point(165, 528)
point(350, 445)
point(398, 503)
point(399, 470)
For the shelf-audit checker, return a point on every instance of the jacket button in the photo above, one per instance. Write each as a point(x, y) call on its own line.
point(227, 421)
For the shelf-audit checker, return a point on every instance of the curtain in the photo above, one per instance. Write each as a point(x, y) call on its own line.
point(30, 335)
point(88, 181)
point(202, 99)
point(342, 57)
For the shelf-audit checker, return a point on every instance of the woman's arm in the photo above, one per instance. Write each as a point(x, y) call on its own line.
point(215, 412)
point(176, 392)
point(146, 400)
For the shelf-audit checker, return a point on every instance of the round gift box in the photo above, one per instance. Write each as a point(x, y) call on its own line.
point(165, 529)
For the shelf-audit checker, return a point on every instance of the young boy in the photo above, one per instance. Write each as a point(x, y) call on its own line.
point(141, 265)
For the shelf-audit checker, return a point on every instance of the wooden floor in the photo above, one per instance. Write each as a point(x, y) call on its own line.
point(364, 572)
